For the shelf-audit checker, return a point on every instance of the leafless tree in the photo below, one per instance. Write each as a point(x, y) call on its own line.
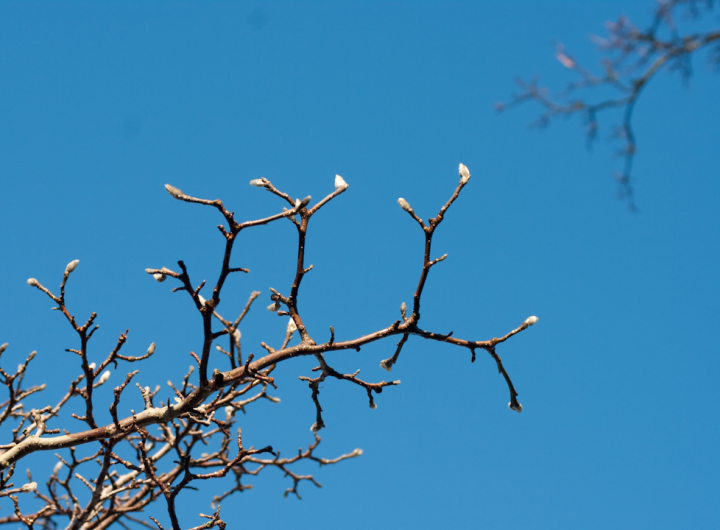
point(154, 454)
point(632, 59)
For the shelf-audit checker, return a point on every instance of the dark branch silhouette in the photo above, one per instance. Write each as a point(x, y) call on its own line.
point(193, 437)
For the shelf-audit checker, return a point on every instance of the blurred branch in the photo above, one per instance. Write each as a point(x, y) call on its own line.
point(632, 59)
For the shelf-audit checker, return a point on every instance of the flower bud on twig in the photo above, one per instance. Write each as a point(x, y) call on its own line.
point(32, 282)
point(27, 488)
point(274, 306)
point(517, 408)
point(259, 183)
point(404, 205)
point(71, 266)
point(151, 349)
point(3, 347)
point(104, 377)
point(373, 405)
point(531, 320)
point(291, 327)
point(57, 467)
point(229, 412)
point(91, 366)
point(236, 336)
point(176, 193)
point(357, 452)
point(386, 364)
point(273, 399)
point(464, 174)
point(202, 300)
point(314, 427)
point(340, 183)
point(159, 277)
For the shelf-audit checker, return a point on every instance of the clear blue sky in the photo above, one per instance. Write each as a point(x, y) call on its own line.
point(102, 103)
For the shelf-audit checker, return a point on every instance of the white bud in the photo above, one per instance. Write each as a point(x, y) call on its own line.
point(259, 183)
point(314, 427)
point(274, 306)
point(71, 266)
point(20, 369)
point(373, 405)
point(27, 488)
point(464, 174)
point(202, 300)
point(531, 320)
point(291, 327)
point(218, 347)
point(91, 366)
point(31, 356)
point(236, 336)
point(32, 282)
point(404, 205)
point(159, 277)
point(302, 203)
point(229, 411)
point(403, 307)
point(396, 382)
point(340, 182)
point(357, 452)
point(177, 400)
point(174, 191)
point(386, 365)
point(273, 399)
point(3, 347)
point(57, 468)
point(104, 377)
point(517, 408)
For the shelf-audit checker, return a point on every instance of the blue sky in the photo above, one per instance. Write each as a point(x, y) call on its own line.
point(101, 104)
